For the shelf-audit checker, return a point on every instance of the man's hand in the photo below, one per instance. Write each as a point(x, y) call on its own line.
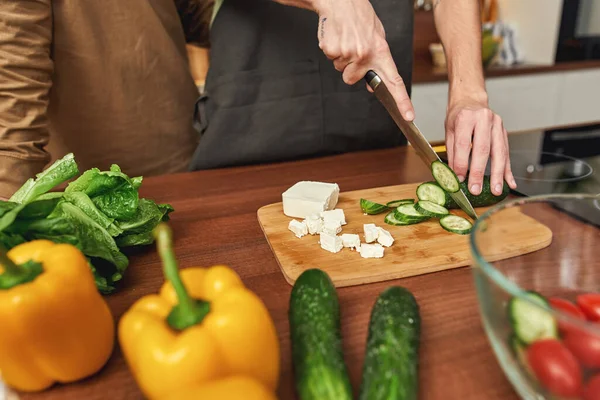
point(469, 119)
point(352, 36)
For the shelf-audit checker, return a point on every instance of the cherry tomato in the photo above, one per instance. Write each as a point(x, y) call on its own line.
point(592, 389)
point(567, 307)
point(555, 367)
point(590, 305)
point(585, 346)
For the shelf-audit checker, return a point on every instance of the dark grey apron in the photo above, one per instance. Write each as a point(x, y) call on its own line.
point(272, 95)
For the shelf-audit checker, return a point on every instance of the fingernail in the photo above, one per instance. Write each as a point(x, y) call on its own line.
point(475, 189)
point(410, 115)
point(512, 180)
point(498, 189)
point(461, 178)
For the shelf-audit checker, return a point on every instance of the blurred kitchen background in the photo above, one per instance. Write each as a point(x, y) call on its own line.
point(542, 63)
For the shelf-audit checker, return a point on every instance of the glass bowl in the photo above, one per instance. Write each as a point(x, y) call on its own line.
point(541, 310)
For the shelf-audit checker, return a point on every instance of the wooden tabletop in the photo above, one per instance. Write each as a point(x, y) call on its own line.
point(215, 222)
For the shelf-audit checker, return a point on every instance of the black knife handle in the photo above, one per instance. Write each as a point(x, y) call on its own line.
point(370, 75)
point(372, 79)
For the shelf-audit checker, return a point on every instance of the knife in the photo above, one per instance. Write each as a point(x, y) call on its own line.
point(414, 136)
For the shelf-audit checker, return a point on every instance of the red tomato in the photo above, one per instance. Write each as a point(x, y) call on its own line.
point(567, 307)
point(584, 345)
point(590, 305)
point(592, 389)
point(555, 367)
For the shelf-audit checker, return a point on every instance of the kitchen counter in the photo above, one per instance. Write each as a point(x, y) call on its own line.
point(215, 222)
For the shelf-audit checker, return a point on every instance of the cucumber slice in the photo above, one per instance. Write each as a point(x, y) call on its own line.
point(397, 203)
point(445, 177)
point(409, 210)
point(431, 209)
point(432, 192)
point(530, 322)
point(372, 208)
point(391, 219)
point(456, 224)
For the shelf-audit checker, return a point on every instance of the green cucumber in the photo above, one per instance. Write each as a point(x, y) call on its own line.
point(391, 219)
point(408, 211)
point(391, 364)
point(314, 316)
point(431, 191)
point(484, 199)
point(372, 208)
point(397, 203)
point(456, 224)
point(531, 322)
point(431, 209)
point(445, 177)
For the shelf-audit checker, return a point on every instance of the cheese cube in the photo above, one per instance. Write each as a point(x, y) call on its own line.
point(334, 215)
point(332, 227)
point(307, 197)
point(314, 223)
point(371, 250)
point(351, 240)
point(385, 238)
point(332, 243)
point(299, 228)
point(371, 232)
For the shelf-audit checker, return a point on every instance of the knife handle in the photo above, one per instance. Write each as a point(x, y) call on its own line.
point(372, 79)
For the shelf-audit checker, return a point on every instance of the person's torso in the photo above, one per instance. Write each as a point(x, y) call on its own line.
point(122, 91)
point(271, 94)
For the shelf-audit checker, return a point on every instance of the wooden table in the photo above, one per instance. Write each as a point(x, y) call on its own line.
point(215, 222)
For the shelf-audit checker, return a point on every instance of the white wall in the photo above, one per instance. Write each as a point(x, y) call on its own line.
point(537, 23)
point(527, 102)
point(588, 23)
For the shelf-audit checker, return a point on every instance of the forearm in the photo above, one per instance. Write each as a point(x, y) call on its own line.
point(25, 79)
point(459, 26)
point(306, 4)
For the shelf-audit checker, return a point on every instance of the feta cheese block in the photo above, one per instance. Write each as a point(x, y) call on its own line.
point(299, 228)
point(351, 240)
point(334, 215)
point(385, 238)
point(307, 197)
point(314, 223)
point(332, 227)
point(371, 250)
point(332, 243)
point(371, 232)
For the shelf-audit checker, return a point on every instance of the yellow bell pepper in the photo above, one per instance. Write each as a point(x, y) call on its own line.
point(230, 388)
point(54, 325)
point(204, 325)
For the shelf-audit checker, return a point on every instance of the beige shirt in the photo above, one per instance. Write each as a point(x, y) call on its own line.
point(107, 80)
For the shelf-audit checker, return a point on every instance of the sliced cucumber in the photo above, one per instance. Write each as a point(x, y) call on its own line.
point(391, 219)
point(531, 322)
point(456, 224)
point(445, 177)
point(372, 208)
point(431, 209)
point(409, 210)
point(397, 203)
point(430, 191)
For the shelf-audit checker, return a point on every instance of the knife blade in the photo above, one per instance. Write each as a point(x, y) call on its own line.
point(414, 136)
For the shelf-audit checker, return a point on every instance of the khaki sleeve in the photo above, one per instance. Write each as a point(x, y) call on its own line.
point(195, 16)
point(25, 80)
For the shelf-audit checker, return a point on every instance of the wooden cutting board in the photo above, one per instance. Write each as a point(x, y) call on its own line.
point(418, 249)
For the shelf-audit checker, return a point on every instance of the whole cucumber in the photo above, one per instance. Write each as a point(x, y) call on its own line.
point(391, 365)
point(314, 316)
point(484, 199)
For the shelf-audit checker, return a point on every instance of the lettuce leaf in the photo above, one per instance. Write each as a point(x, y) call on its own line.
point(85, 204)
point(113, 192)
point(60, 171)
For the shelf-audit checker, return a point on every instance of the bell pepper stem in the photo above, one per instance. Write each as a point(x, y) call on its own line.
point(9, 266)
point(14, 274)
point(188, 311)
